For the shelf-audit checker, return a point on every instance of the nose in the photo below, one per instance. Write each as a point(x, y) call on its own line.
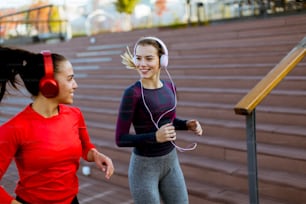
point(75, 84)
point(141, 62)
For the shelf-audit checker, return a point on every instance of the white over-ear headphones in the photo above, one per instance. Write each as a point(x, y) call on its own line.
point(163, 58)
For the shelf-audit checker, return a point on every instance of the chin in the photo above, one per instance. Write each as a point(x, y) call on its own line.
point(146, 76)
point(68, 102)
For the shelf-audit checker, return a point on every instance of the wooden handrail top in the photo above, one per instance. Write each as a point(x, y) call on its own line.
point(254, 97)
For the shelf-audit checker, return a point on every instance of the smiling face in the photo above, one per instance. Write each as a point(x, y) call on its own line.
point(66, 82)
point(147, 61)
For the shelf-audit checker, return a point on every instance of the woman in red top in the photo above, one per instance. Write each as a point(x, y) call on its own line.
point(46, 139)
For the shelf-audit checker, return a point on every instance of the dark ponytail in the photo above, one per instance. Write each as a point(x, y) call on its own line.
point(17, 61)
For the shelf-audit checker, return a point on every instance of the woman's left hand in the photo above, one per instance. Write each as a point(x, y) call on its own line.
point(104, 163)
point(194, 126)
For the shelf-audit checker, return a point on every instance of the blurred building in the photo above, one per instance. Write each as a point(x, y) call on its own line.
point(101, 15)
point(91, 17)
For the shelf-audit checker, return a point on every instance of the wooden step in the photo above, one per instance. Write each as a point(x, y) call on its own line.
point(214, 167)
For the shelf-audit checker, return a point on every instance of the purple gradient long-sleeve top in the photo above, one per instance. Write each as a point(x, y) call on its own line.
point(132, 111)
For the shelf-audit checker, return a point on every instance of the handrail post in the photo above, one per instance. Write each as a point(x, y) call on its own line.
point(252, 157)
point(246, 106)
point(49, 19)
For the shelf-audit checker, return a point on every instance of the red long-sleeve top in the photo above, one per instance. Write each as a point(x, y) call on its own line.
point(47, 153)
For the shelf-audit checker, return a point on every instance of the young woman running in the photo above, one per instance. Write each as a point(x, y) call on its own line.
point(150, 106)
point(48, 137)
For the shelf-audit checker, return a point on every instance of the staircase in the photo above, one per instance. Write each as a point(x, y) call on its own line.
point(213, 67)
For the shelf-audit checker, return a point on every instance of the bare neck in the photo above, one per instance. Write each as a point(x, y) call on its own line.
point(45, 107)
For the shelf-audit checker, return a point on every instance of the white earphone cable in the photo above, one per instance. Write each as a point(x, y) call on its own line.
point(190, 147)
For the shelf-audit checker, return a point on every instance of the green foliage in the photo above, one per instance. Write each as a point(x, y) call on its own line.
point(126, 6)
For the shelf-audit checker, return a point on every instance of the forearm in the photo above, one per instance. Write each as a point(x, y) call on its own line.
point(92, 153)
point(132, 140)
point(180, 124)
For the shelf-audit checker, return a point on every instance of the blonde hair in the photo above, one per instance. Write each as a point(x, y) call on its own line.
point(127, 59)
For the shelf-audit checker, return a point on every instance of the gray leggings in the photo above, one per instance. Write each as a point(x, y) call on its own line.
point(152, 177)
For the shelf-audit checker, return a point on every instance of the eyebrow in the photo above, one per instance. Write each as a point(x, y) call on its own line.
point(145, 56)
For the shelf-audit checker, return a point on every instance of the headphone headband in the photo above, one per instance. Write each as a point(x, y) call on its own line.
point(163, 58)
point(159, 41)
point(47, 63)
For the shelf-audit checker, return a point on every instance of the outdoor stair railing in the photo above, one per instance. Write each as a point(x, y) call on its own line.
point(46, 26)
point(247, 105)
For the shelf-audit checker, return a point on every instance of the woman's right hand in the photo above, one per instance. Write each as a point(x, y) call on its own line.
point(166, 133)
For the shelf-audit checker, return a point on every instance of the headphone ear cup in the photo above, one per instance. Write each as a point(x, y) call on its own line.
point(164, 61)
point(48, 87)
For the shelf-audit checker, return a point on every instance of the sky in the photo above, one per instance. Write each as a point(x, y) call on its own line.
point(12, 3)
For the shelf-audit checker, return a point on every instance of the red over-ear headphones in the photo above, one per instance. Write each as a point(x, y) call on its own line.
point(48, 86)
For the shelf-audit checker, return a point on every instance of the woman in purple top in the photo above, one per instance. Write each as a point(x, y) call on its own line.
point(149, 104)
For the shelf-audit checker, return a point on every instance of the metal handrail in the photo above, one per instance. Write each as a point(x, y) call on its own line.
point(247, 106)
point(25, 21)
